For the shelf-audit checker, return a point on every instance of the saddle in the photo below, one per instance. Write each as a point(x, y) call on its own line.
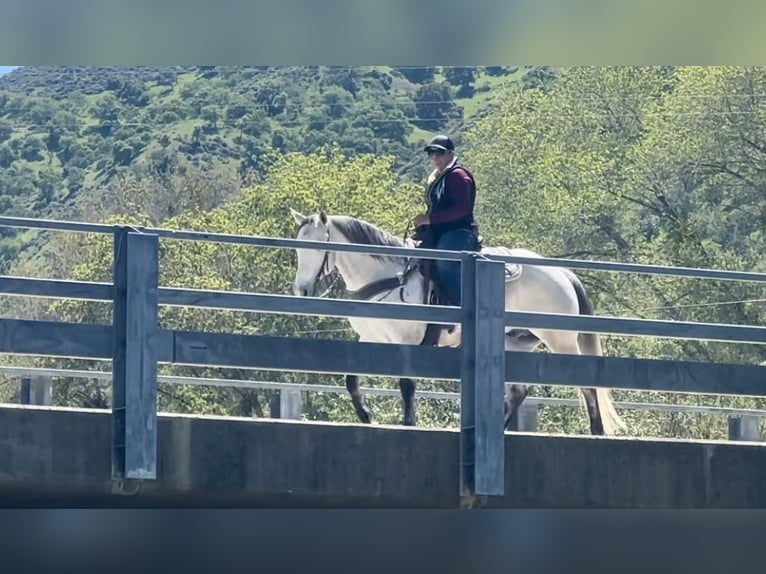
point(433, 294)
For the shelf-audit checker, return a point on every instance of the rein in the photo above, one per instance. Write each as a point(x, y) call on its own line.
point(324, 271)
point(389, 283)
point(371, 289)
point(379, 286)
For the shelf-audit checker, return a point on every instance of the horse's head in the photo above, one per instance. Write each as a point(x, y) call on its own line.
point(313, 264)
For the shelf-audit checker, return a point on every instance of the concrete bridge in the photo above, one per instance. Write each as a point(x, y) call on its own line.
point(61, 457)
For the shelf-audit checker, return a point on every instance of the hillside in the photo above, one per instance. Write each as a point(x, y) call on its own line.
point(66, 132)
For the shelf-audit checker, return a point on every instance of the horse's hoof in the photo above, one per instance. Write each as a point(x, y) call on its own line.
point(365, 416)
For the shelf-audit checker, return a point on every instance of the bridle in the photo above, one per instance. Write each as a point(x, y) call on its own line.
point(323, 271)
point(370, 290)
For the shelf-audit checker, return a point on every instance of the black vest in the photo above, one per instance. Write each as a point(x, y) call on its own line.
point(438, 200)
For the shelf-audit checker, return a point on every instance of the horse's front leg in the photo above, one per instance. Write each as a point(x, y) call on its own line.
point(513, 401)
point(352, 384)
point(407, 387)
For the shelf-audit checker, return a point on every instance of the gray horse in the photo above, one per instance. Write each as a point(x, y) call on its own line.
point(375, 277)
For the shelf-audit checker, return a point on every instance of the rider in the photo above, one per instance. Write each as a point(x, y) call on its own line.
point(449, 223)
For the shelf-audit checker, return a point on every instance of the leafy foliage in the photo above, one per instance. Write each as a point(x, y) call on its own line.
point(647, 165)
point(66, 132)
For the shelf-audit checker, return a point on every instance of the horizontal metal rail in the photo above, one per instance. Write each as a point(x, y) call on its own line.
point(283, 243)
point(56, 288)
point(252, 240)
point(288, 304)
point(106, 376)
point(56, 225)
point(336, 357)
point(638, 327)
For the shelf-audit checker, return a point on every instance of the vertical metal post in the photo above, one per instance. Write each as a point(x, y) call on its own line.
point(134, 380)
point(467, 380)
point(290, 404)
point(528, 417)
point(35, 390)
point(482, 438)
point(747, 428)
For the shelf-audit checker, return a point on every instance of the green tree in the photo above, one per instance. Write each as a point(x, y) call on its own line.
point(6, 130)
point(462, 77)
point(434, 106)
point(631, 164)
point(417, 74)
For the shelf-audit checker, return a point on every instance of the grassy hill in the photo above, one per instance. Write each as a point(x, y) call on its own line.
point(67, 132)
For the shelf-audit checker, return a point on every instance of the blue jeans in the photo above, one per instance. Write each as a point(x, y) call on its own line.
point(449, 271)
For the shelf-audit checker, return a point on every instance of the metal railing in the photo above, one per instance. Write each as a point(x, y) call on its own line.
point(136, 344)
point(36, 384)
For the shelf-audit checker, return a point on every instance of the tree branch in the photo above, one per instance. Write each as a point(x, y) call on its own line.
point(723, 168)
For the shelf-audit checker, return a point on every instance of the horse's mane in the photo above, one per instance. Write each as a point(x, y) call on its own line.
point(364, 233)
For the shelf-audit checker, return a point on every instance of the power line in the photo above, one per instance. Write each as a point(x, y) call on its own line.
point(299, 105)
point(710, 304)
point(234, 124)
point(397, 102)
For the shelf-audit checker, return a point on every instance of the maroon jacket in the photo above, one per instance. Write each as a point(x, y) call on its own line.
point(451, 198)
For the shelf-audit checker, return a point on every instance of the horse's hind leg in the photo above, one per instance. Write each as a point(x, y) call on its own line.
point(594, 414)
point(524, 341)
point(567, 342)
point(352, 384)
point(407, 387)
point(516, 395)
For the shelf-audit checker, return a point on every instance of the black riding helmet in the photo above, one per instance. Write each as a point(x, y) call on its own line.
point(440, 143)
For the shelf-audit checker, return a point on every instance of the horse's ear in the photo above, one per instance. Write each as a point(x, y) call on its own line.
point(323, 217)
point(297, 216)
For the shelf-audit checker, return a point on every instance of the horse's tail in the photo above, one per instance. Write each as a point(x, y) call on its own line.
point(590, 344)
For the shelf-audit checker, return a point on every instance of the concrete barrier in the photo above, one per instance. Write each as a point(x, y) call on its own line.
point(61, 457)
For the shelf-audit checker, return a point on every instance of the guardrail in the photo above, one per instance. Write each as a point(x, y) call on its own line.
point(136, 344)
point(36, 389)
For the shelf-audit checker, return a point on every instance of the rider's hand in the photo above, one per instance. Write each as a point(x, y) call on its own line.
point(421, 219)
